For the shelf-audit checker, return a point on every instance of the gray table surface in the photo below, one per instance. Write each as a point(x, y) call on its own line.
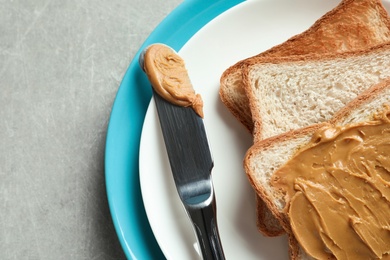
point(61, 63)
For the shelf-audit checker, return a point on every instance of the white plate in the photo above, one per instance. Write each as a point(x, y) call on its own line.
point(243, 31)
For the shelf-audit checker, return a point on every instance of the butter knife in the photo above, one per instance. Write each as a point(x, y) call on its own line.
point(191, 164)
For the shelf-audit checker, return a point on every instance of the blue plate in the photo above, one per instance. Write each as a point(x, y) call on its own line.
point(125, 126)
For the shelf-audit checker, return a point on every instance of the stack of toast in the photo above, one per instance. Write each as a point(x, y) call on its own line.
point(335, 73)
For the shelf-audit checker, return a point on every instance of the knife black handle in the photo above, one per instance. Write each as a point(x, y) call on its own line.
point(204, 219)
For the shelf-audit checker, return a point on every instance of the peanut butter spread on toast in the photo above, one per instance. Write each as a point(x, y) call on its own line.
point(337, 191)
point(168, 75)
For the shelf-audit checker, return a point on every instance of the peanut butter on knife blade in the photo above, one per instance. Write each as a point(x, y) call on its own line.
point(167, 72)
point(337, 191)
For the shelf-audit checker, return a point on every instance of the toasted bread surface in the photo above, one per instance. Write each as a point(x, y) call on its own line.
point(293, 92)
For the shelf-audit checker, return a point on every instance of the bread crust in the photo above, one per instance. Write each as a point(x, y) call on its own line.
point(266, 220)
point(263, 146)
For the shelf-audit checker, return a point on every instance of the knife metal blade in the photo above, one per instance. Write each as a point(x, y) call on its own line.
point(191, 163)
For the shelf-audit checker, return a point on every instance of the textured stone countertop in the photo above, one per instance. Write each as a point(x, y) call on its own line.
point(61, 63)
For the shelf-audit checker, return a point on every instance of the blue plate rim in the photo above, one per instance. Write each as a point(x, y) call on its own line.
point(125, 127)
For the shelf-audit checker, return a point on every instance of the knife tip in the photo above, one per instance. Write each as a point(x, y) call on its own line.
point(141, 59)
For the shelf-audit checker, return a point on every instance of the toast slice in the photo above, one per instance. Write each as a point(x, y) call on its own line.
point(351, 26)
point(289, 93)
point(345, 28)
point(264, 158)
